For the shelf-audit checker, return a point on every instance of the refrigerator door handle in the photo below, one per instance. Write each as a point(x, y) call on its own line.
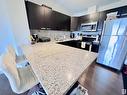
point(123, 45)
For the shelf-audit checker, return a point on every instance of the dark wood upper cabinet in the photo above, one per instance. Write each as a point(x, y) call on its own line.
point(89, 18)
point(43, 17)
point(74, 23)
point(60, 21)
point(47, 17)
point(35, 15)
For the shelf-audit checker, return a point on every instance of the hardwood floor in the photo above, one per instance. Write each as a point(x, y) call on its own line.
point(102, 81)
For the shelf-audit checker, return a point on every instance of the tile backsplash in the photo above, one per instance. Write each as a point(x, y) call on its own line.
point(52, 34)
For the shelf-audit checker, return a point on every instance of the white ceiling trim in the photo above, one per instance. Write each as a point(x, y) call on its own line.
point(90, 10)
point(113, 5)
point(102, 8)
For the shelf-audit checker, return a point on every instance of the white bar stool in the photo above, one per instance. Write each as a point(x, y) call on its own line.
point(21, 79)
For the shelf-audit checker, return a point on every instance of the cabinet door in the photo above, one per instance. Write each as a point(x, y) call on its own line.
point(35, 15)
point(60, 21)
point(42, 17)
point(47, 17)
point(74, 23)
point(55, 20)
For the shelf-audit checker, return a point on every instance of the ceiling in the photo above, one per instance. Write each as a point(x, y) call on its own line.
point(75, 6)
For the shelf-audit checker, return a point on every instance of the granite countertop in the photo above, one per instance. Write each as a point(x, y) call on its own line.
point(56, 66)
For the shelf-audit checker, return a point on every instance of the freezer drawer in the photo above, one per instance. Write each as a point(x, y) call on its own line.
point(119, 53)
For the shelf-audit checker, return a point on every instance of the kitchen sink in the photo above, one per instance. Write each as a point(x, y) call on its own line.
point(77, 44)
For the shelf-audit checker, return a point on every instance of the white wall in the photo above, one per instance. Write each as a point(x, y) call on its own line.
point(5, 27)
point(90, 10)
point(18, 19)
point(13, 24)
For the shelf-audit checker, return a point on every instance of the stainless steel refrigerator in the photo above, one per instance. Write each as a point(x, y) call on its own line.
point(113, 45)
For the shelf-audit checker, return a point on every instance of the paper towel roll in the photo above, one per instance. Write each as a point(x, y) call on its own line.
point(83, 44)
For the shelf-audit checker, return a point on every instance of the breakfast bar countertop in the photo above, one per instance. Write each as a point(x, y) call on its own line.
point(56, 66)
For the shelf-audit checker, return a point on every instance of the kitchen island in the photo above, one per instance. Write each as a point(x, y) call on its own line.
point(56, 66)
